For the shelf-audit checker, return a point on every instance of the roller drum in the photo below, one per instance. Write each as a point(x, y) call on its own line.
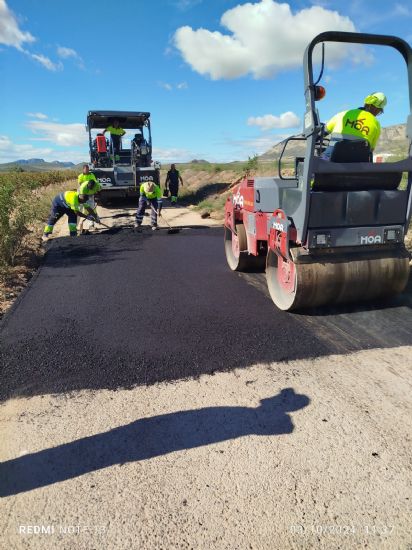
point(308, 282)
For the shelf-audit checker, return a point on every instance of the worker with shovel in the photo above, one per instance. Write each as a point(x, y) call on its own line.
point(150, 195)
point(88, 185)
point(69, 204)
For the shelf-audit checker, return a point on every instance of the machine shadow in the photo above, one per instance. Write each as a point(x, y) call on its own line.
point(148, 438)
point(118, 311)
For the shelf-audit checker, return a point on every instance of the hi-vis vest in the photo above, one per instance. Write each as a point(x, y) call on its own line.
point(156, 194)
point(115, 131)
point(71, 198)
point(356, 122)
point(85, 188)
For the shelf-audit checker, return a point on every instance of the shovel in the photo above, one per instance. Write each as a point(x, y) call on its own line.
point(171, 230)
point(83, 231)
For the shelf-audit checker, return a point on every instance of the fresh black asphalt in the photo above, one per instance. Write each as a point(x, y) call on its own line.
point(119, 308)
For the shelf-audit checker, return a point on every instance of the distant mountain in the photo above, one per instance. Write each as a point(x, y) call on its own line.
point(38, 165)
point(392, 141)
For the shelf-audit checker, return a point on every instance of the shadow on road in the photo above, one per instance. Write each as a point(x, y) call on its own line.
point(116, 311)
point(148, 438)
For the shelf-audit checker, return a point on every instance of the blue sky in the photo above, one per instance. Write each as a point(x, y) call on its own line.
point(222, 78)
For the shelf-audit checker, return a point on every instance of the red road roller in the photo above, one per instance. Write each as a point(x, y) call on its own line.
point(334, 231)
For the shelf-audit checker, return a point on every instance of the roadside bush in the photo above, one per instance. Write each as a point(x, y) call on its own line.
point(34, 180)
point(16, 213)
point(21, 204)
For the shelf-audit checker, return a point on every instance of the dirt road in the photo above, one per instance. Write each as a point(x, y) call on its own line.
point(153, 399)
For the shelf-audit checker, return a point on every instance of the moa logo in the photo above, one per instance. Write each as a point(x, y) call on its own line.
point(370, 238)
point(238, 199)
point(278, 226)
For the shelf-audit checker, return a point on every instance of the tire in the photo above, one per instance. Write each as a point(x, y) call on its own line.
point(237, 256)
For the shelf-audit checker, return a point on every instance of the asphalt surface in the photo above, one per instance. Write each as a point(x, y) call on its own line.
point(121, 308)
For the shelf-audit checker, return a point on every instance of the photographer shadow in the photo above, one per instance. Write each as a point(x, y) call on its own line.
point(148, 438)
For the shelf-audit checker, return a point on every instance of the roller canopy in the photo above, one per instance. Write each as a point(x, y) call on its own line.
point(127, 119)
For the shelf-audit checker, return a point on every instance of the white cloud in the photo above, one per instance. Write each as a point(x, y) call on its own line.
point(41, 116)
point(10, 33)
point(241, 149)
point(166, 86)
point(169, 87)
point(67, 53)
point(10, 151)
point(170, 155)
point(67, 135)
point(264, 38)
point(402, 10)
point(184, 5)
point(45, 61)
point(270, 122)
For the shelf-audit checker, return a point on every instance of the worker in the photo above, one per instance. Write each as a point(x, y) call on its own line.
point(150, 195)
point(172, 179)
point(139, 150)
point(356, 124)
point(116, 134)
point(66, 203)
point(88, 185)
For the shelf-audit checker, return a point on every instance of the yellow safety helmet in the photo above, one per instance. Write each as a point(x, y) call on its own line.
point(377, 99)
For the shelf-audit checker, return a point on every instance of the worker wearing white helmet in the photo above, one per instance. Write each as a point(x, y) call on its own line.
point(360, 123)
point(150, 195)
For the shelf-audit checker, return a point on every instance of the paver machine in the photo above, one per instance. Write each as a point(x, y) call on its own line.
point(334, 231)
point(121, 174)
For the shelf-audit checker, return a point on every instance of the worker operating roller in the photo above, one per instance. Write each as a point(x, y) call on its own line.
point(357, 124)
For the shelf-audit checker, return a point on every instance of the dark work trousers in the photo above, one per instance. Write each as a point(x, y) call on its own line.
point(116, 143)
point(143, 202)
point(174, 189)
point(59, 209)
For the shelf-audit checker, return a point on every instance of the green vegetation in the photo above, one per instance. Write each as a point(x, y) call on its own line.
point(24, 200)
point(252, 164)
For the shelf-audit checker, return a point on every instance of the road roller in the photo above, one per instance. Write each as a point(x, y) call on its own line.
point(332, 231)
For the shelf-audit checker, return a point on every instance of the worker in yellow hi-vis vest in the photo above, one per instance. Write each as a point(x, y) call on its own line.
point(88, 185)
point(150, 195)
point(357, 124)
point(68, 203)
point(116, 134)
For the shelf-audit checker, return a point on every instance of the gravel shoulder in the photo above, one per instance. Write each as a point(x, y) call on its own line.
point(308, 454)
